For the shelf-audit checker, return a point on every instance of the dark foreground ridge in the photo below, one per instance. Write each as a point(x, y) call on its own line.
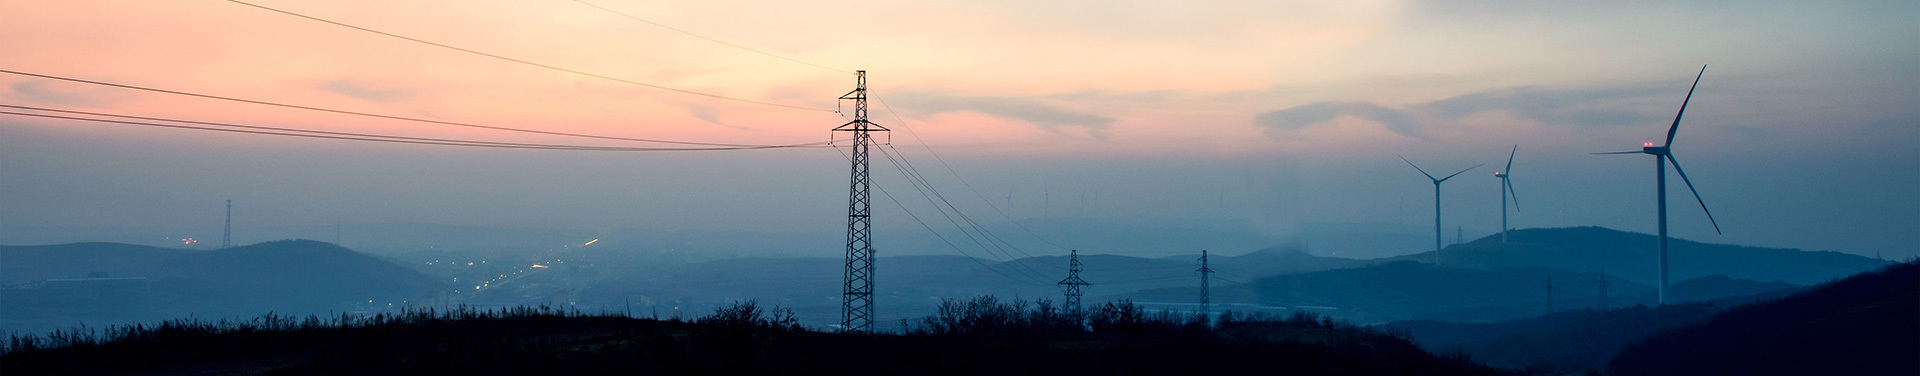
point(1862, 325)
point(982, 336)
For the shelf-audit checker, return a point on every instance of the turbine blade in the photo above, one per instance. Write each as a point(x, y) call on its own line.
point(1416, 167)
point(1619, 152)
point(1516, 150)
point(1683, 106)
point(1461, 172)
point(1512, 194)
point(1696, 193)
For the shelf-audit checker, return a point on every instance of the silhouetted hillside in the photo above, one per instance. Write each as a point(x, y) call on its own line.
point(1635, 256)
point(1717, 287)
point(49, 286)
point(1867, 324)
point(1582, 339)
point(982, 336)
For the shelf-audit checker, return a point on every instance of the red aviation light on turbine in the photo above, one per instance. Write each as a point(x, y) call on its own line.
point(1647, 144)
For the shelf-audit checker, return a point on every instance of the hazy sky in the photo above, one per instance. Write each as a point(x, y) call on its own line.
point(1802, 134)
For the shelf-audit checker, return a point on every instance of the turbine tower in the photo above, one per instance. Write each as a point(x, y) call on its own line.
point(1661, 156)
point(1436, 202)
point(1072, 284)
point(226, 237)
point(856, 309)
point(1506, 192)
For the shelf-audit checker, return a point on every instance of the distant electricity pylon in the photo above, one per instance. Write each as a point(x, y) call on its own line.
point(856, 309)
point(226, 240)
point(1603, 289)
point(1205, 273)
point(1072, 284)
point(1549, 293)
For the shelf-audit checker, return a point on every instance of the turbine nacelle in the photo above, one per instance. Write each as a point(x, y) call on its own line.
point(1500, 174)
point(1656, 150)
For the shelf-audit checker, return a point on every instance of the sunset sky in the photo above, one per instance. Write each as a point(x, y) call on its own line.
point(1264, 114)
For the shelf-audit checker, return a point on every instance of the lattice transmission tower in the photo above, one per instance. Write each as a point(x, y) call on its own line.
point(856, 309)
point(1549, 293)
point(1072, 284)
point(1205, 273)
point(1603, 290)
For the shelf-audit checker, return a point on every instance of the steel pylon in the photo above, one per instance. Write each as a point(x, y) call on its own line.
point(1072, 284)
point(856, 310)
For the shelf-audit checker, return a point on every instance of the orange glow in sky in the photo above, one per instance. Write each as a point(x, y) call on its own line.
point(979, 76)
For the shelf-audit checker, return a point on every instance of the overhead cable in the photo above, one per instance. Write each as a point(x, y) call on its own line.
point(689, 33)
point(956, 175)
point(273, 131)
point(943, 238)
point(390, 117)
point(913, 175)
point(923, 187)
point(609, 78)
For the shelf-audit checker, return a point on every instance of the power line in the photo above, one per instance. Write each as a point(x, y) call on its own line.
point(913, 175)
point(689, 33)
point(922, 188)
point(390, 117)
point(1146, 280)
point(683, 91)
point(936, 234)
point(912, 172)
point(992, 238)
point(976, 225)
point(376, 138)
point(281, 129)
point(956, 175)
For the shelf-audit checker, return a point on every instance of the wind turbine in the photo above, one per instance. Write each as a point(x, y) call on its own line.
point(1436, 202)
point(1506, 192)
point(1661, 155)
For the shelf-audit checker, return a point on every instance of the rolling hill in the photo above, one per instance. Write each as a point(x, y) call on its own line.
point(1406, 290)
point(1635, 257)
point(1403, 290)
point(912, 285)
point(57, 286)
